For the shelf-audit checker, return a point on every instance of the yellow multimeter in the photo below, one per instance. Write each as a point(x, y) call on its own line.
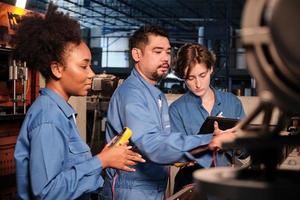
point(180, 164)
point(122, 138)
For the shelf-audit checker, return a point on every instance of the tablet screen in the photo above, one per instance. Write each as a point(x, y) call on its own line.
point(224, 123)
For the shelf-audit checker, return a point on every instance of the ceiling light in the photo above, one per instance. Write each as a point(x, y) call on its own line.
point(21, 3)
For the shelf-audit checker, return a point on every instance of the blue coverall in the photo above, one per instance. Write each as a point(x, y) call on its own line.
point(52, 161)
point(143, 108)
point(187, 114)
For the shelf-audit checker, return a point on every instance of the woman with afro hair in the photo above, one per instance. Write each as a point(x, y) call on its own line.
point(52, 161)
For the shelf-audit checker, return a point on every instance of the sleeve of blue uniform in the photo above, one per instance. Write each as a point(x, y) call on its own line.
point(48, 181)
point(177, 125)
point(151, 140)
point(175, 120)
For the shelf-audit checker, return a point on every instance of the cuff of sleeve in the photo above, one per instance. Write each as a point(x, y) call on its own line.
point(95, 163)
point(92, 165)
point(206, 139)
point(189, 156)
point(204, 160)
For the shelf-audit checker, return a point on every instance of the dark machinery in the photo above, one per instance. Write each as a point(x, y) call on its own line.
point(102, 89)
point(270, 34)
point(18, 89)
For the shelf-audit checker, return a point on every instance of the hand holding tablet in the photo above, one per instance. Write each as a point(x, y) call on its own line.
point(224, 123)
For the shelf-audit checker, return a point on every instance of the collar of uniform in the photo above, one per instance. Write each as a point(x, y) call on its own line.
point(153, 90)
point(59, 100)
point(199, 100)
point(217, 96)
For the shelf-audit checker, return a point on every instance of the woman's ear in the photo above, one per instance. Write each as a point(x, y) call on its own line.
point(57, 69)
point(136, 54)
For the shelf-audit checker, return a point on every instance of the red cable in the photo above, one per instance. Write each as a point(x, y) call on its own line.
point(113, 186)
point(214, 159)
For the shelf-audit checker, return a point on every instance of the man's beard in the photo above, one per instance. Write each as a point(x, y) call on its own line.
point(157, 77)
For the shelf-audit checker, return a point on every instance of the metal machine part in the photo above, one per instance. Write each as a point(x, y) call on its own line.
point(18, 71)
point(234, 184)
point(104, 84)
point(102, 89)
point(270, 34)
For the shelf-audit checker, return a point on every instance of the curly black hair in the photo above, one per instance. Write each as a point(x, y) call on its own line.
point(41, 40)
point(191, 54)
point(140, 36)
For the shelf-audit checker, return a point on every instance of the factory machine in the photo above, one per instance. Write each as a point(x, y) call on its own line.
point(97, 105)
point(19, 87)
point(270, 34)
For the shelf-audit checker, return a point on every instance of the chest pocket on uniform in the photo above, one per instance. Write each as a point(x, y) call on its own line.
point(78, 152)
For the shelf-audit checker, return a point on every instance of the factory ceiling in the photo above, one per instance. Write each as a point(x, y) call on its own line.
point(182, 18)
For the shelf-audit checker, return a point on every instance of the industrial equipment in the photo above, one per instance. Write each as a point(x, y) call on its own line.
point(97, 104)
point(270, 34)
point(18, 88)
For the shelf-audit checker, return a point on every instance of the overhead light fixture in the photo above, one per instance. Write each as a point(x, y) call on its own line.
point(21, 3)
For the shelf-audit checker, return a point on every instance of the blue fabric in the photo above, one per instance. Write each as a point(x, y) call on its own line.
point(143, 108)
point(52, 161)
point(187, 115)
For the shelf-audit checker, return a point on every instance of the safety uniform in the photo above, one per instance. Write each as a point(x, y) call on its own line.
point(187, 115)
point(143, 108)
point(52, 161)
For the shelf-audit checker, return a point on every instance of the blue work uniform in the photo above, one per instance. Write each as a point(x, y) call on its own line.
point(187, 115)
point(52, 161)
point(143, 108)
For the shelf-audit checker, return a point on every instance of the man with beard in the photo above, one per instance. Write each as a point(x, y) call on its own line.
point(142, 107)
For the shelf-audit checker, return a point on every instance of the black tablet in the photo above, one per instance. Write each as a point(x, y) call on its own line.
point(224, 123)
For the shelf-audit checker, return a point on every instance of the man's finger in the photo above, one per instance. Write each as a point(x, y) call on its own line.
point(129, 163)
point(132, 153)
point(136, 158)
point(128, 169)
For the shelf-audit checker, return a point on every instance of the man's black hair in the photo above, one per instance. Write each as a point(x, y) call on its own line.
point(140, 36)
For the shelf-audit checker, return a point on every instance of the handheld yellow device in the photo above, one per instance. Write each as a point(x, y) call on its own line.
point(180, 164)
point(122, 138)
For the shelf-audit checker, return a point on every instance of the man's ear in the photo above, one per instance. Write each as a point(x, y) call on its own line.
point(136, 54)
point(57, 69)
